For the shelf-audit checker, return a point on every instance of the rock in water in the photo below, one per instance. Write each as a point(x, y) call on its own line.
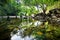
point(54, 16)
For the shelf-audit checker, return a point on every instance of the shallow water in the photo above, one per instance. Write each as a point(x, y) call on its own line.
point(17, 36)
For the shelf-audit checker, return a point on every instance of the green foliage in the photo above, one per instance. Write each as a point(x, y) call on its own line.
point(50, 32)
point(8, 8)
point(48, 3)
point(3, 2)
point(38, 2)
point(26, 10)
point(14, 8)
point(42, 32)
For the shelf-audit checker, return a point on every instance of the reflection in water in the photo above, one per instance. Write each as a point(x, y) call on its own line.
point(15, 37)
point(37, 23)
point(18, 36)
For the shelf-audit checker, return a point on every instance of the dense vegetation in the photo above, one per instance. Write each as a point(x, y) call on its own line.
point(45, 11)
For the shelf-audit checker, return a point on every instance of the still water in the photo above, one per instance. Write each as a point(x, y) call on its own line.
point(17, 36)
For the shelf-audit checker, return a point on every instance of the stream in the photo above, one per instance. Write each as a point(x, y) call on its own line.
point(17, 36)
